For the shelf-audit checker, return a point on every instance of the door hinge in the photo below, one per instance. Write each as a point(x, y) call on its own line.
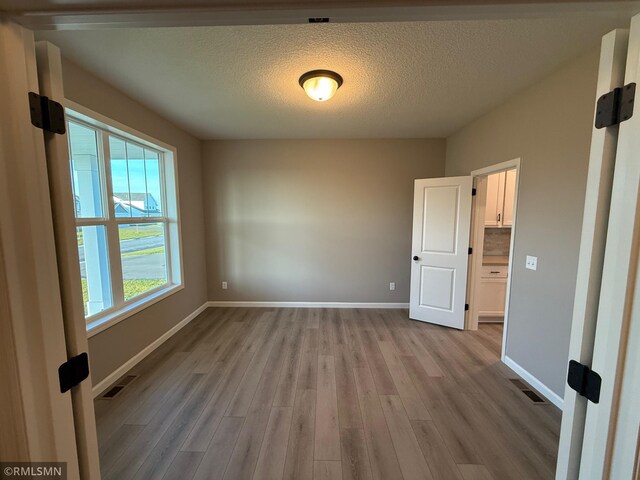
point(473, 192)
point(46, 114)
point(616, 106)
point(466, 307)
point(73, 372)
point(584, 381)
point(470, 250)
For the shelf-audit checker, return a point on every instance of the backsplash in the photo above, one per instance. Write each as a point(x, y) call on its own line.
point(496, 241)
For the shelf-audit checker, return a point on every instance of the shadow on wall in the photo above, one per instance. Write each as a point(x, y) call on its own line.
point(313, 220)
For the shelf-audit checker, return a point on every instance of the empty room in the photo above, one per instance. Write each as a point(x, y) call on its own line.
point(343, 240)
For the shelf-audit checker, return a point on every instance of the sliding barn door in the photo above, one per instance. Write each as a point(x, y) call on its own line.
point(441, 226)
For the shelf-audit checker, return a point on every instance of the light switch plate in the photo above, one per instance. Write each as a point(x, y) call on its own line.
point(532, 262)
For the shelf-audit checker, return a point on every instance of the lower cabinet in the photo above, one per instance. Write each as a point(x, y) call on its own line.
point(492, 291)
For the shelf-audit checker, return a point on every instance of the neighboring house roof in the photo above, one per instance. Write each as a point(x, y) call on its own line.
point(139, 204)
point(122, 208)
point(136, 197)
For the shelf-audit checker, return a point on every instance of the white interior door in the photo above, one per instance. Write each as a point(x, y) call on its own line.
point(441, 225)
point(615, 320)
point(31, 310)
point(592, 247)
point(625, 461)
point(49, 64)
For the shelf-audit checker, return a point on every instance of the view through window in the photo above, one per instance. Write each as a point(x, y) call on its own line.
point(123, 230)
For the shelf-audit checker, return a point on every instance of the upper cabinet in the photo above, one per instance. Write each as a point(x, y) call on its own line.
point(492, 210)
point(509, 198)
point(501, 191)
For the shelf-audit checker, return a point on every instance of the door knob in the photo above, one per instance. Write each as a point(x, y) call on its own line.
point(416, 258)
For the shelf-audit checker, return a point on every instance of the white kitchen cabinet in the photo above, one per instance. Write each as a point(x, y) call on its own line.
point(493, 203)
point(501, 189)
point(492, 291)
point(509, 198)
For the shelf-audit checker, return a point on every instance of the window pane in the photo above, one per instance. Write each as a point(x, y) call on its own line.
point(119, 177)
point(144, 260)
point(137, 181)
point(94, 269)
point(85, 171)
point(135, 174)
point(152, 173)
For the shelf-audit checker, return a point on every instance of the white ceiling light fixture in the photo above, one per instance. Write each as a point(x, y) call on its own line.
point(320, 85)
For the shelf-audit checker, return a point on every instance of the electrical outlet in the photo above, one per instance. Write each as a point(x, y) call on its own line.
point(224, 285)
point(532, 262)
point(392, 286)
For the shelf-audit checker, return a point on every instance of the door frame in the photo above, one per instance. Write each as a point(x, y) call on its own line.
point(35, 337)
point(477, 241)
point(50, 82)
point(602, 159)
point(615, 308)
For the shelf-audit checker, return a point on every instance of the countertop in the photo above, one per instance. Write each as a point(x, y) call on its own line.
point(495, 260)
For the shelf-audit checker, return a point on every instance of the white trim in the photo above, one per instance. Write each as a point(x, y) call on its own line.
point(593, 239)
point(133, 361)
point(49, 63)
point(96, 119)
point(106, 128)
point(615, 306)
point(216, 15)
point(540, 387)
point(41, 419)
point(499, 167)
point(102, 322)
point(217, 303)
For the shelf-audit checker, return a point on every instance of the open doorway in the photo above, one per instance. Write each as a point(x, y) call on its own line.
point(492, 236)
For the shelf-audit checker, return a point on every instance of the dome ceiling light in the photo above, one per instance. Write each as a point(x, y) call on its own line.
point(320, 85)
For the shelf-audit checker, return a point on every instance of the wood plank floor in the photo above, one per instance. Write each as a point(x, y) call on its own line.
point(298, 394)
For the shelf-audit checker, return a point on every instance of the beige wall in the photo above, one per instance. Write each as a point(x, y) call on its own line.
point(549, 127)
point(313, 220)
point(111, 348)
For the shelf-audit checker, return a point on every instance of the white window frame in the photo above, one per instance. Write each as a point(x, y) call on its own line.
point(121, 308)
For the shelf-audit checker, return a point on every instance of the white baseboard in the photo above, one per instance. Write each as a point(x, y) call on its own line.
point(534, 382)
point(133, 361)
point(307, 304)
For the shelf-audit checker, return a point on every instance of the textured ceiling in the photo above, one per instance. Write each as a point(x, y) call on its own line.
point(422, 79)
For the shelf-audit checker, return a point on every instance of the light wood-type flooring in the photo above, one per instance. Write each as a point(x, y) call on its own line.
point(266, 393)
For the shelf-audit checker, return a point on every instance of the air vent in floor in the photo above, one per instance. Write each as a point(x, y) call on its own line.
point(535, 398)
point(118, 387)
point(519, 383)
point(113, 391)
point(126, 380)
point(524, 388)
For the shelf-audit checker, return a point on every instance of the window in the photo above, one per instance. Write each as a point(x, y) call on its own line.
point(124, 191)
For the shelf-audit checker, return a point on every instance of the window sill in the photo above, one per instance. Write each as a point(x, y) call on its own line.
point(108, 320)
